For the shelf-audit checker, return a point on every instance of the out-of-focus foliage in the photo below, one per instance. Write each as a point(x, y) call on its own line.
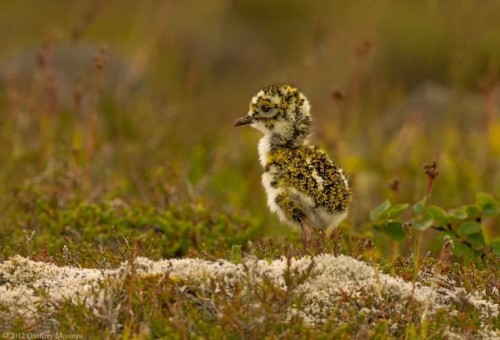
point(148, 117)
point(117, 139)
point(135, 101)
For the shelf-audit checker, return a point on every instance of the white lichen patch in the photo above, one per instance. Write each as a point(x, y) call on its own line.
point(328, 283)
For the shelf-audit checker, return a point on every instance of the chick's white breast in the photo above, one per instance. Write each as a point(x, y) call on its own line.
point(272, 192)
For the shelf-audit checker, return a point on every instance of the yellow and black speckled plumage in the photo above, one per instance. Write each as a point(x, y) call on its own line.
point(303, 186)
point(294, 167)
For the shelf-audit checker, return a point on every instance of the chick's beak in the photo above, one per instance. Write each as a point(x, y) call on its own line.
point(243, 120)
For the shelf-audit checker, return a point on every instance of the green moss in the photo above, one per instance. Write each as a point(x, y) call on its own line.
point(119, 231)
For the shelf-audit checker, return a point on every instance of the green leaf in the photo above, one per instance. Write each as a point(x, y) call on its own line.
point(487, 204)
point(458, 213)
point(476, 239)
point(482, 199)
point(395, 230)
point(496, 246)
point(419, 206)
point(490, 210)
point(377, 213)
point(423, 223)
point(438, 214)
point(472, 211)
point(396, 210)
point(461, 249)
point(470, 227)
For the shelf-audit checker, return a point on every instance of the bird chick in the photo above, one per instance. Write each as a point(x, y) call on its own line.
point(303, 186)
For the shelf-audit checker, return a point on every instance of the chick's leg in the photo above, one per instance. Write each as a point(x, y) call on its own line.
point(306, 234)
point(294, 213)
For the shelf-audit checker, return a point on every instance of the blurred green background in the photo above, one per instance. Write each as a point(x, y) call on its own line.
point(133, 102)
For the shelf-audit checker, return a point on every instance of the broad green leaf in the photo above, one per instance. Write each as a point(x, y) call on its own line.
point(396, 210)
point(490, 210)
point(461, 249)
point(496, 246)
point(423, 223)
point(458, 213)
point(395, 230)
point(470, 227)
point(487, 204)
point(476, 239)
point(438, 214)
point(377, 213)
point(483, 199)
point(419, 206)
point(472, 211)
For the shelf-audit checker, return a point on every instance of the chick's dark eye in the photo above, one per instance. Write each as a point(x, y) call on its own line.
point(265, 108)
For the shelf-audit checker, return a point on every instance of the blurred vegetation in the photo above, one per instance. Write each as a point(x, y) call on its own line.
point(135, 101)
point(116, 119)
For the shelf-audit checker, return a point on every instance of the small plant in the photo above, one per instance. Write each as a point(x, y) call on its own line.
point(27, 239)
point(466, 225)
